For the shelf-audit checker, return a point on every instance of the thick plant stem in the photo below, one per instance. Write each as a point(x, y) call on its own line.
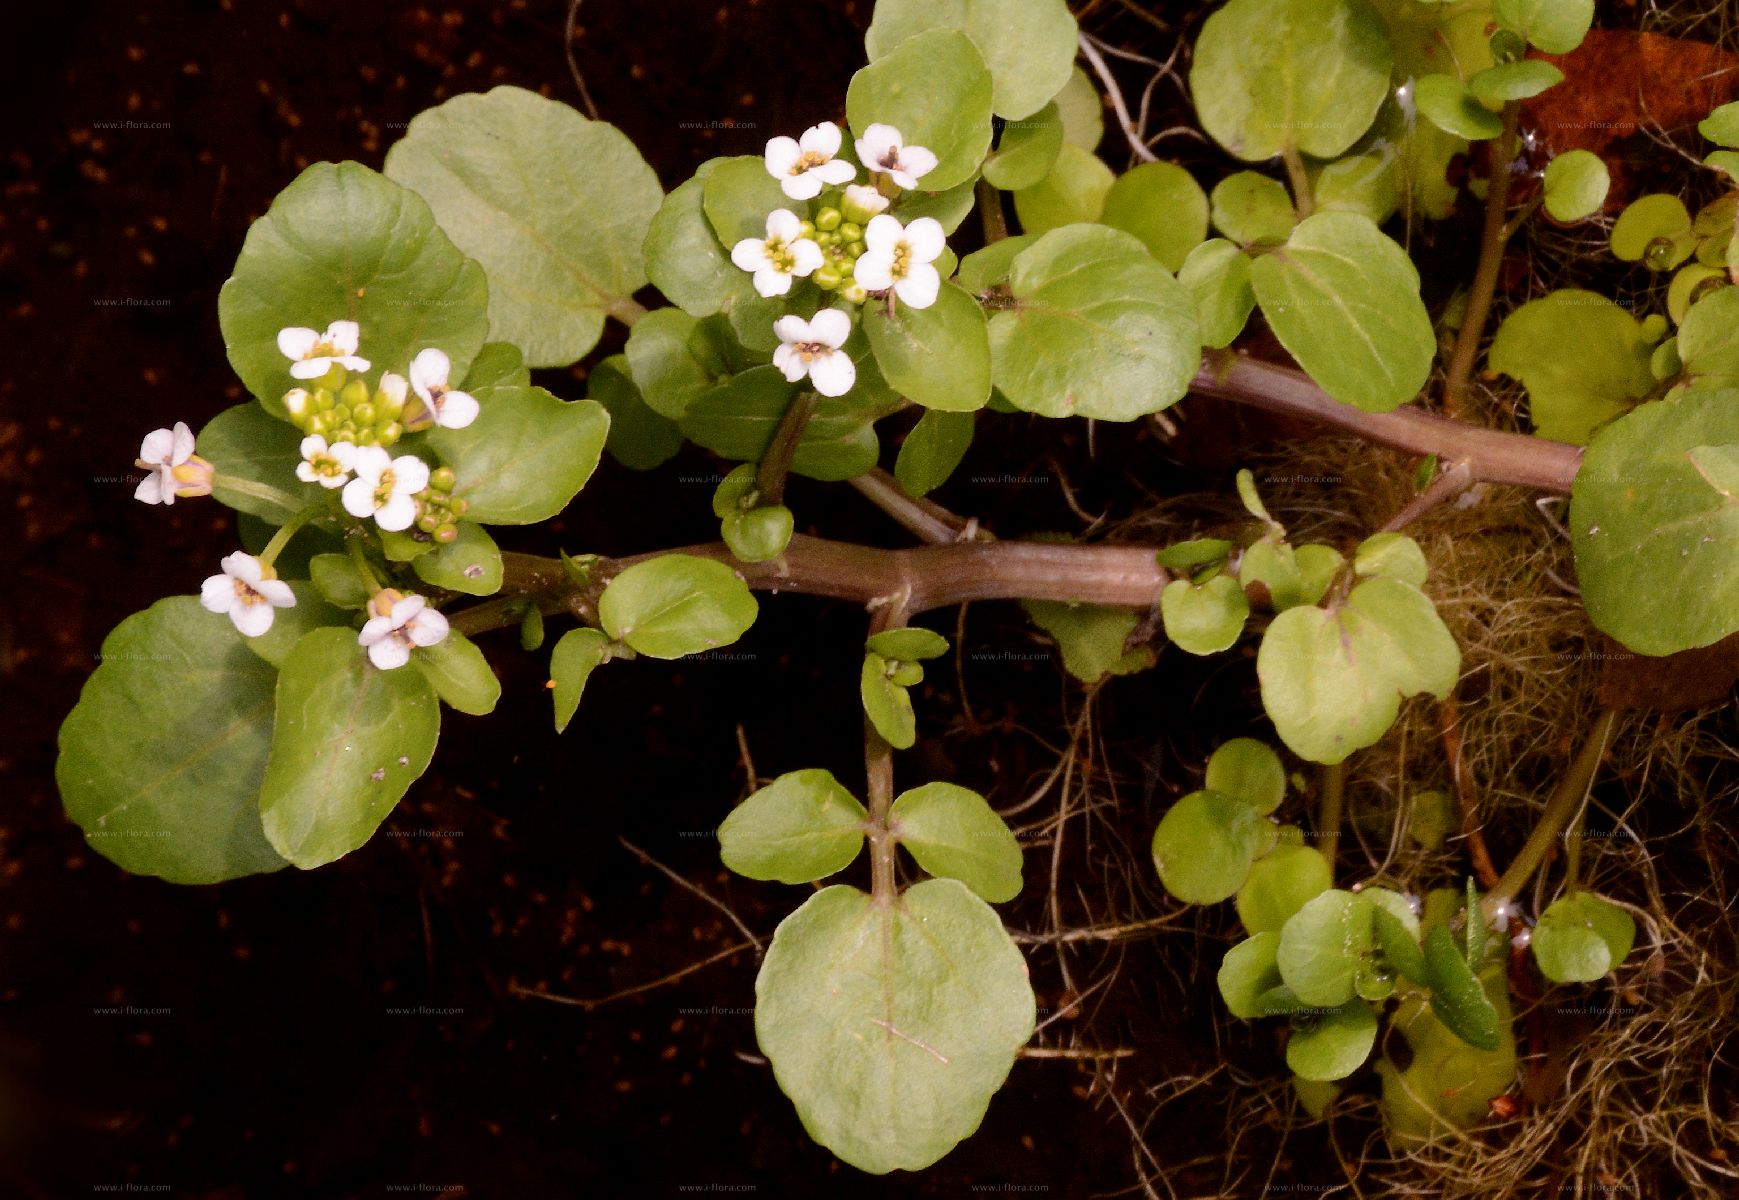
point(1491, 455)
point(776, 462)
point(627, 310)
point(1328, 823)
point(889, 613)
point(1491, 252)
point(1565, 802)
point(990, 213)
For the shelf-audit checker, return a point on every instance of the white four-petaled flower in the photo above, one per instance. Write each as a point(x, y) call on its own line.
point(782, 254)
point(812, 348)
point(390, 636)
point(900, 257)
point(803, 166)
point(451, 409)
point(324, 464)
point(385, 487)
point(882, 149)
point(312, 354)
point(244, 592)
point(167, 456)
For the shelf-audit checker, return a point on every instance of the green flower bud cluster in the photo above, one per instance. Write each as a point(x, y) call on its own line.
point(841, 243)
point(341, 409)
point(755, 532)
point(438, 509)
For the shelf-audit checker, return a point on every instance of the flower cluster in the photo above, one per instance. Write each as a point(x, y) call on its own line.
point(848, 244)
point(348, 431)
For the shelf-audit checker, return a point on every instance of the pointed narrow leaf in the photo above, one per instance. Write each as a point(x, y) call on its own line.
point(577, 654)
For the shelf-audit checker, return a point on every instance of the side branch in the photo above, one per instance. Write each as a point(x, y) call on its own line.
point(1491, 455)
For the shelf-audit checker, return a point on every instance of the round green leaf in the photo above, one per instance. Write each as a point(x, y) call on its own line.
point(348, 740)
point(939, 356)
point(1332, 682)
point(737, 195)
point(801, 827)
point(1028, 45)
point(954, 834)
point(1306, 74)
point(886, 703)
point(1163, 205)
point(1446, 101)
point(1081, 111)
point(289, 624)
point(525, 456)
point(1217, 275)
point(336, 580)
point(1690, 284)
point(890, 1026)
point(1323, 945)
point(1281, 883)
point(577, 654)
point(1333, 1045)
point(1249, 770)
point(469, 563)
point(1248, 972)
point(1553, 26)
point(639, 438)
point(1653, 522)
point(459, 673)
point(1026, 151)
point(738, 419)
point(1344, 300)
point(1194, 553)
point(1648, 223)
point(661, 364)
point(1099, 329)
point(1369, 184)
point(676, 604)
point(932, 450)
point(910, 643)
point(1572, 395)
point(1205, 844)
point(1248, 207)
point(343, 243)
point(1709, 341)
point(247, 442)
point(161, 760)
point(1580, 937)
point(684, 257)
point(1205, 618)
point(553, 205)
point(498, 363)
point(1391, 556)
point(1519, 80)
point(1722, 125)
point(933, 87)
point(1073, 192)
point(1091, 638)
point(1457, 997)
point(987, 268)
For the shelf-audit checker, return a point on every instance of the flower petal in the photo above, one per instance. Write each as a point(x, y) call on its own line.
point(866, 198)
point(458, 409)
point(394, 387)
point(917, 162)
point(410, 474)
point(242, 566)
point(396, 514)
point(276, 592)
point(252, 619)
point(429, 629)
point(152, 491)
point(875, 143)
point(344, 336)
point(830, 327)
point(358, 497)
point(925, 239)
point(833, 374)
point(297, 341)
point(883, 234)
point(344, 452)
point(307, 474)
point(183, 443)
point(217, 593)
point(374, 629)
point(390, 654)
point(750, 254)
point(783, 224)
point(157, 447)
point(822, 139)
point(836, 172)
point(310, 368)
point(406, 608)
point(770, 281)
point(792, 329)
point(429, 370)
point(801, 187)
point(370, 462)
point(875, 270)
point(806, 257)
point(790, 363)
point(352, 363)
point(920, 286)
point(781, 155)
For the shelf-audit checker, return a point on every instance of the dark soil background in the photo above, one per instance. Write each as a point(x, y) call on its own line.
point(250, 1040)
